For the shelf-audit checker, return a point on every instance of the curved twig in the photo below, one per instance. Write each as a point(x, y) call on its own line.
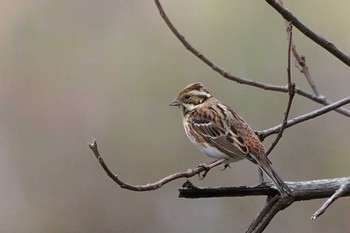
point(151, 186)
point(211, 64)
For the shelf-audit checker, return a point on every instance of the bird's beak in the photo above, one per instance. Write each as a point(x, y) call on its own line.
point(175, 102)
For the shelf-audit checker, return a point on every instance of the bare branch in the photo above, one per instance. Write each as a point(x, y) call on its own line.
point(227, 75)
point(301, 61)
point(275, 202)
point(263, 134)
point(212, 65)
point(330, 47)
point(157, 184)
point(326, 102)
point(291, 92)
point(301, 64)
point(302, 191)
point(321, 100)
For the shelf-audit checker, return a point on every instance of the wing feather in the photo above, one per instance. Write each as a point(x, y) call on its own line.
point(226, 140)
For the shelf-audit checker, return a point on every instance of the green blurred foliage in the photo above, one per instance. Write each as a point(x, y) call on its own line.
point(72, 71)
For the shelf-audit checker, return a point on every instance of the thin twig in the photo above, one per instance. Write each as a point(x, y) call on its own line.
point(319, 99)
point(157, 184)
point(344, 188)
point(291, 92)
point(263, 134)
point(330, 47)
point(301, 61)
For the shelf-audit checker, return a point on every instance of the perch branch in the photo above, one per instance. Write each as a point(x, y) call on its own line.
point(291, 93)
point(319, 99)
point(330, 47)
point(157, 184)
point(302, 191)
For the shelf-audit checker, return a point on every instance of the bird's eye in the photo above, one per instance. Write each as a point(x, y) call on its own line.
point(187, 97)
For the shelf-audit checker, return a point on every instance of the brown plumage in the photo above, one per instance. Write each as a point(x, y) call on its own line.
point(219, 132)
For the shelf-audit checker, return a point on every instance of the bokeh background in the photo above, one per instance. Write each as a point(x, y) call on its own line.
point(72, 71)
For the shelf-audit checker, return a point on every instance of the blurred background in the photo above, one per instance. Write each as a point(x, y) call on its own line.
point(72, 71)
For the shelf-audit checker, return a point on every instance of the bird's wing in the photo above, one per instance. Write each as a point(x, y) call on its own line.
point(227, 140)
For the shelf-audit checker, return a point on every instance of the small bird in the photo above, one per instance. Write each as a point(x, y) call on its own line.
point(219, 132)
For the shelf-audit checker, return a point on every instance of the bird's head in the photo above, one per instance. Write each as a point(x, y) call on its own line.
point(191, 97)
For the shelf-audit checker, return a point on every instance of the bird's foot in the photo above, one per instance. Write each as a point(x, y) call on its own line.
point(227, 165)
point(206, 167)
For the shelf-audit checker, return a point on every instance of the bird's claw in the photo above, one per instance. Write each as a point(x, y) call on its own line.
point(205, 172)
point(227, 165)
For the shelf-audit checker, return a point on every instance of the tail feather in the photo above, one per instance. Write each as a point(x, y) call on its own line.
point(277, 180)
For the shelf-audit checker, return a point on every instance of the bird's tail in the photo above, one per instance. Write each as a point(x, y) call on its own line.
point(275, 178)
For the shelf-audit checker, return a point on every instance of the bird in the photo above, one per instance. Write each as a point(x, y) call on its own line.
point(219, 132)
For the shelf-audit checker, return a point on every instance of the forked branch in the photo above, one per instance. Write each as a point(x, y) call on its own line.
point(302, 191)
